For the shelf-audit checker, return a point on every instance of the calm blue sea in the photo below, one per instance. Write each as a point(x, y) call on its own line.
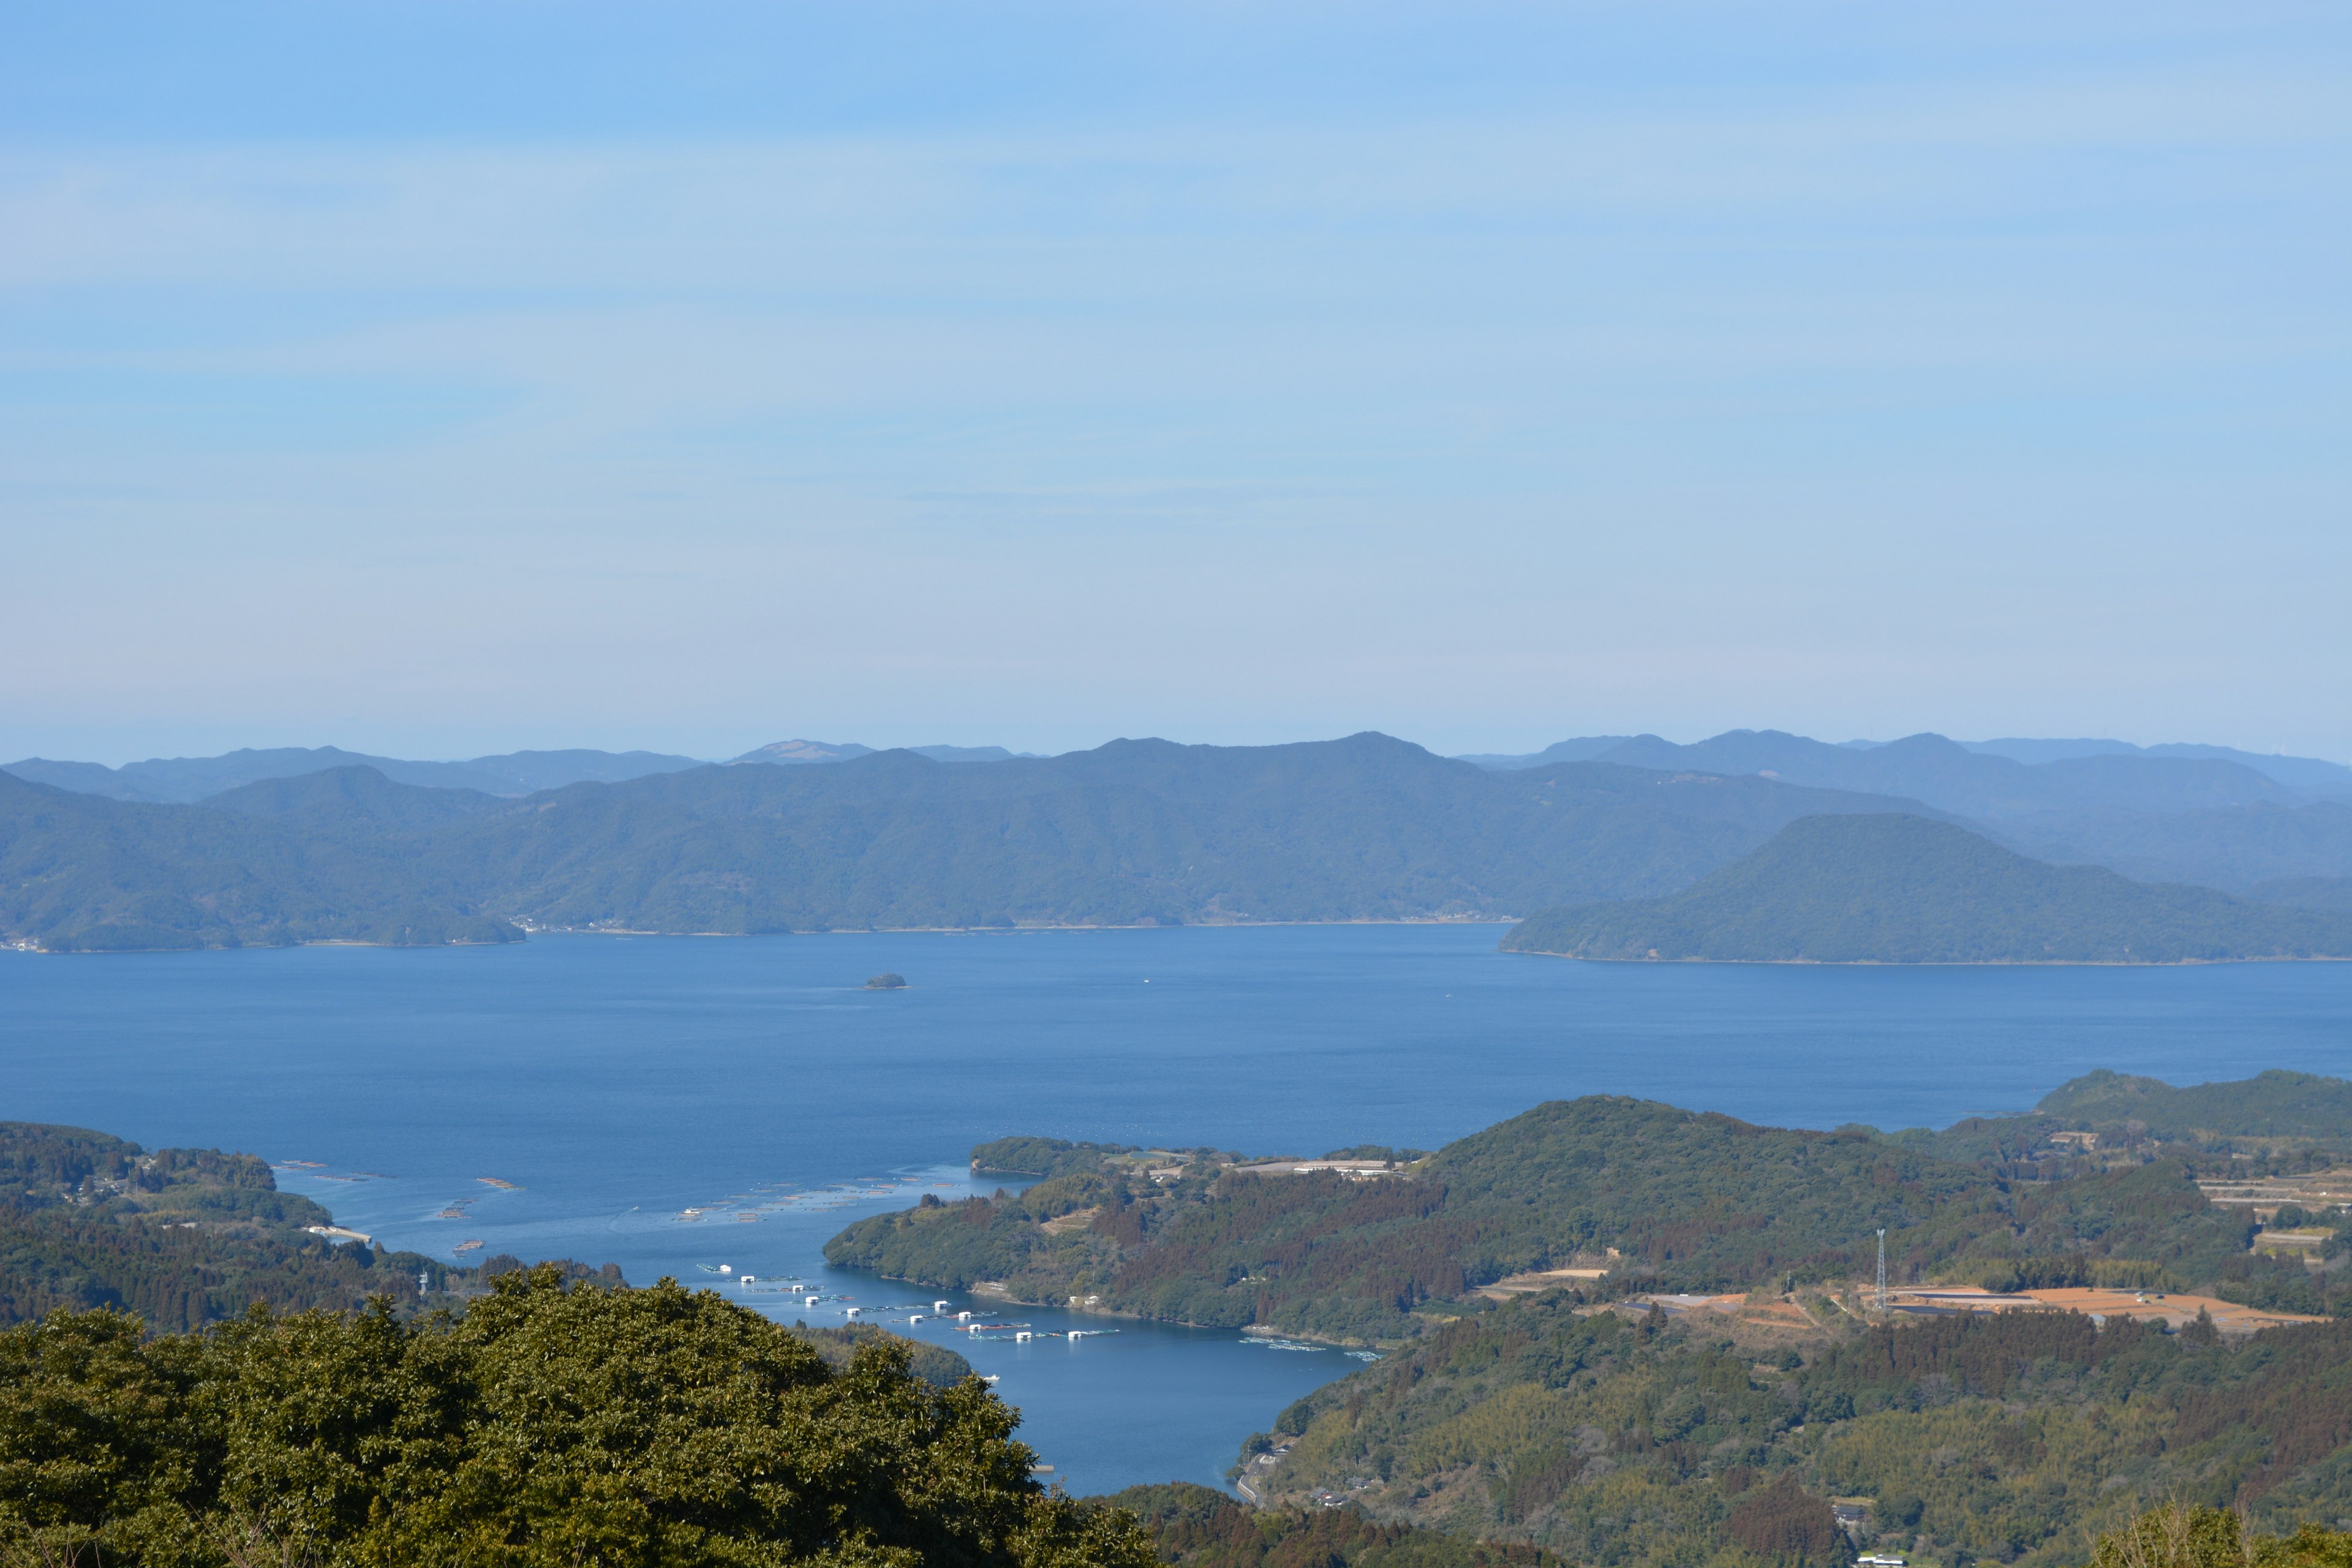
point(618, 1081)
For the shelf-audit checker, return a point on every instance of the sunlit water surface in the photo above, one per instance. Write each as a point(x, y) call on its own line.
point(617, 1082)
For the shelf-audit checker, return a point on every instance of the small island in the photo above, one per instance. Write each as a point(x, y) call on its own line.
point(886, 983)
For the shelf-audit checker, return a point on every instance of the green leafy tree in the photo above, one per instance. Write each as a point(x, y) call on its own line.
point(548, 1425)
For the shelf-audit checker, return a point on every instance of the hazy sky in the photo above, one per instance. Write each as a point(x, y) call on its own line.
point(438, 379)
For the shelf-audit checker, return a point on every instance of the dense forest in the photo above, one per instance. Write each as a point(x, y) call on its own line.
point(838, 1346)
point(1656, 1197)
point(551, 1423)
point(2296, 1117)
point(1194, 1527)
point(80, 873)
point(179, 1236)
point(1617, 1438)
point(1893, 889)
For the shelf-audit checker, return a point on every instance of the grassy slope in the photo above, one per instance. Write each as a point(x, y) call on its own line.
point(1901, 890)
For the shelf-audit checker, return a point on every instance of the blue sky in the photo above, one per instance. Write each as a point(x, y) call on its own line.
point(445, 379)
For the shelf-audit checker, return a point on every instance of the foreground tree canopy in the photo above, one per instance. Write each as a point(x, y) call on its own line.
point(2182, 1536)
point(546, 1426)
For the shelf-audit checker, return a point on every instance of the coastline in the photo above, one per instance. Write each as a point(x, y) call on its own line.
point(1948, 963)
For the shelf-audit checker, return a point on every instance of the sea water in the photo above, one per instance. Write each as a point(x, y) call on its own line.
point(575, 1096)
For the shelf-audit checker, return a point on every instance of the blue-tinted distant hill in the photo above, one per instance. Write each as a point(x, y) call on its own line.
point(1364, 828)
point(1134, 832)
point(1946, 775)
point(1901, 890)
point(2305, 892)
point(2235, 849)
point(329, 858)
point(2311, 774)
point(2164, 813)
point(179, 780)
point(798, 754)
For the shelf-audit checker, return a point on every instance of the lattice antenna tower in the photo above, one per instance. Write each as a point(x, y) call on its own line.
point(1882, 1269)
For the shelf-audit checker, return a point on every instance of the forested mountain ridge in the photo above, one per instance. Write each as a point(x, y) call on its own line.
point(179, 1236)
point(1627, 1440)
point(2276, 1113)
point(1892, 888)
point(2235, 849)
point(1194, 1527)
point(1651, 1197)
point(1949, 776)
point(1137, 832)
point(182, 780)
point(79, 873)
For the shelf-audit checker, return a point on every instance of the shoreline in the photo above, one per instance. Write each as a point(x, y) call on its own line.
point(1949, 962)
point(1009, 1299)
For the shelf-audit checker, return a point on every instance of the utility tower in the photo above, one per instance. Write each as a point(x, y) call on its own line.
point(1882, 1269)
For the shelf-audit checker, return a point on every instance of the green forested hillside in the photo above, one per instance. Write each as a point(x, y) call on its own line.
point(935, 1365)
point(1194, 1527)
point(179, 1236)
point(79, 873)
point(1134, 832)
point(1902, 890)
point(2272, 1104)
point(2272, 1113)
point(1659, 1196)
point(1618, 1440)
point(546, 1426)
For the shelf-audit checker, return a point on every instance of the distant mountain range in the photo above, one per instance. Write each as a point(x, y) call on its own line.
point(2272, 828)
point(1137, 832)
point(181, 780)
point(1991, 779)
point(184, 779)
point(796, 752)
point(299, 845)
point(1902, 890)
